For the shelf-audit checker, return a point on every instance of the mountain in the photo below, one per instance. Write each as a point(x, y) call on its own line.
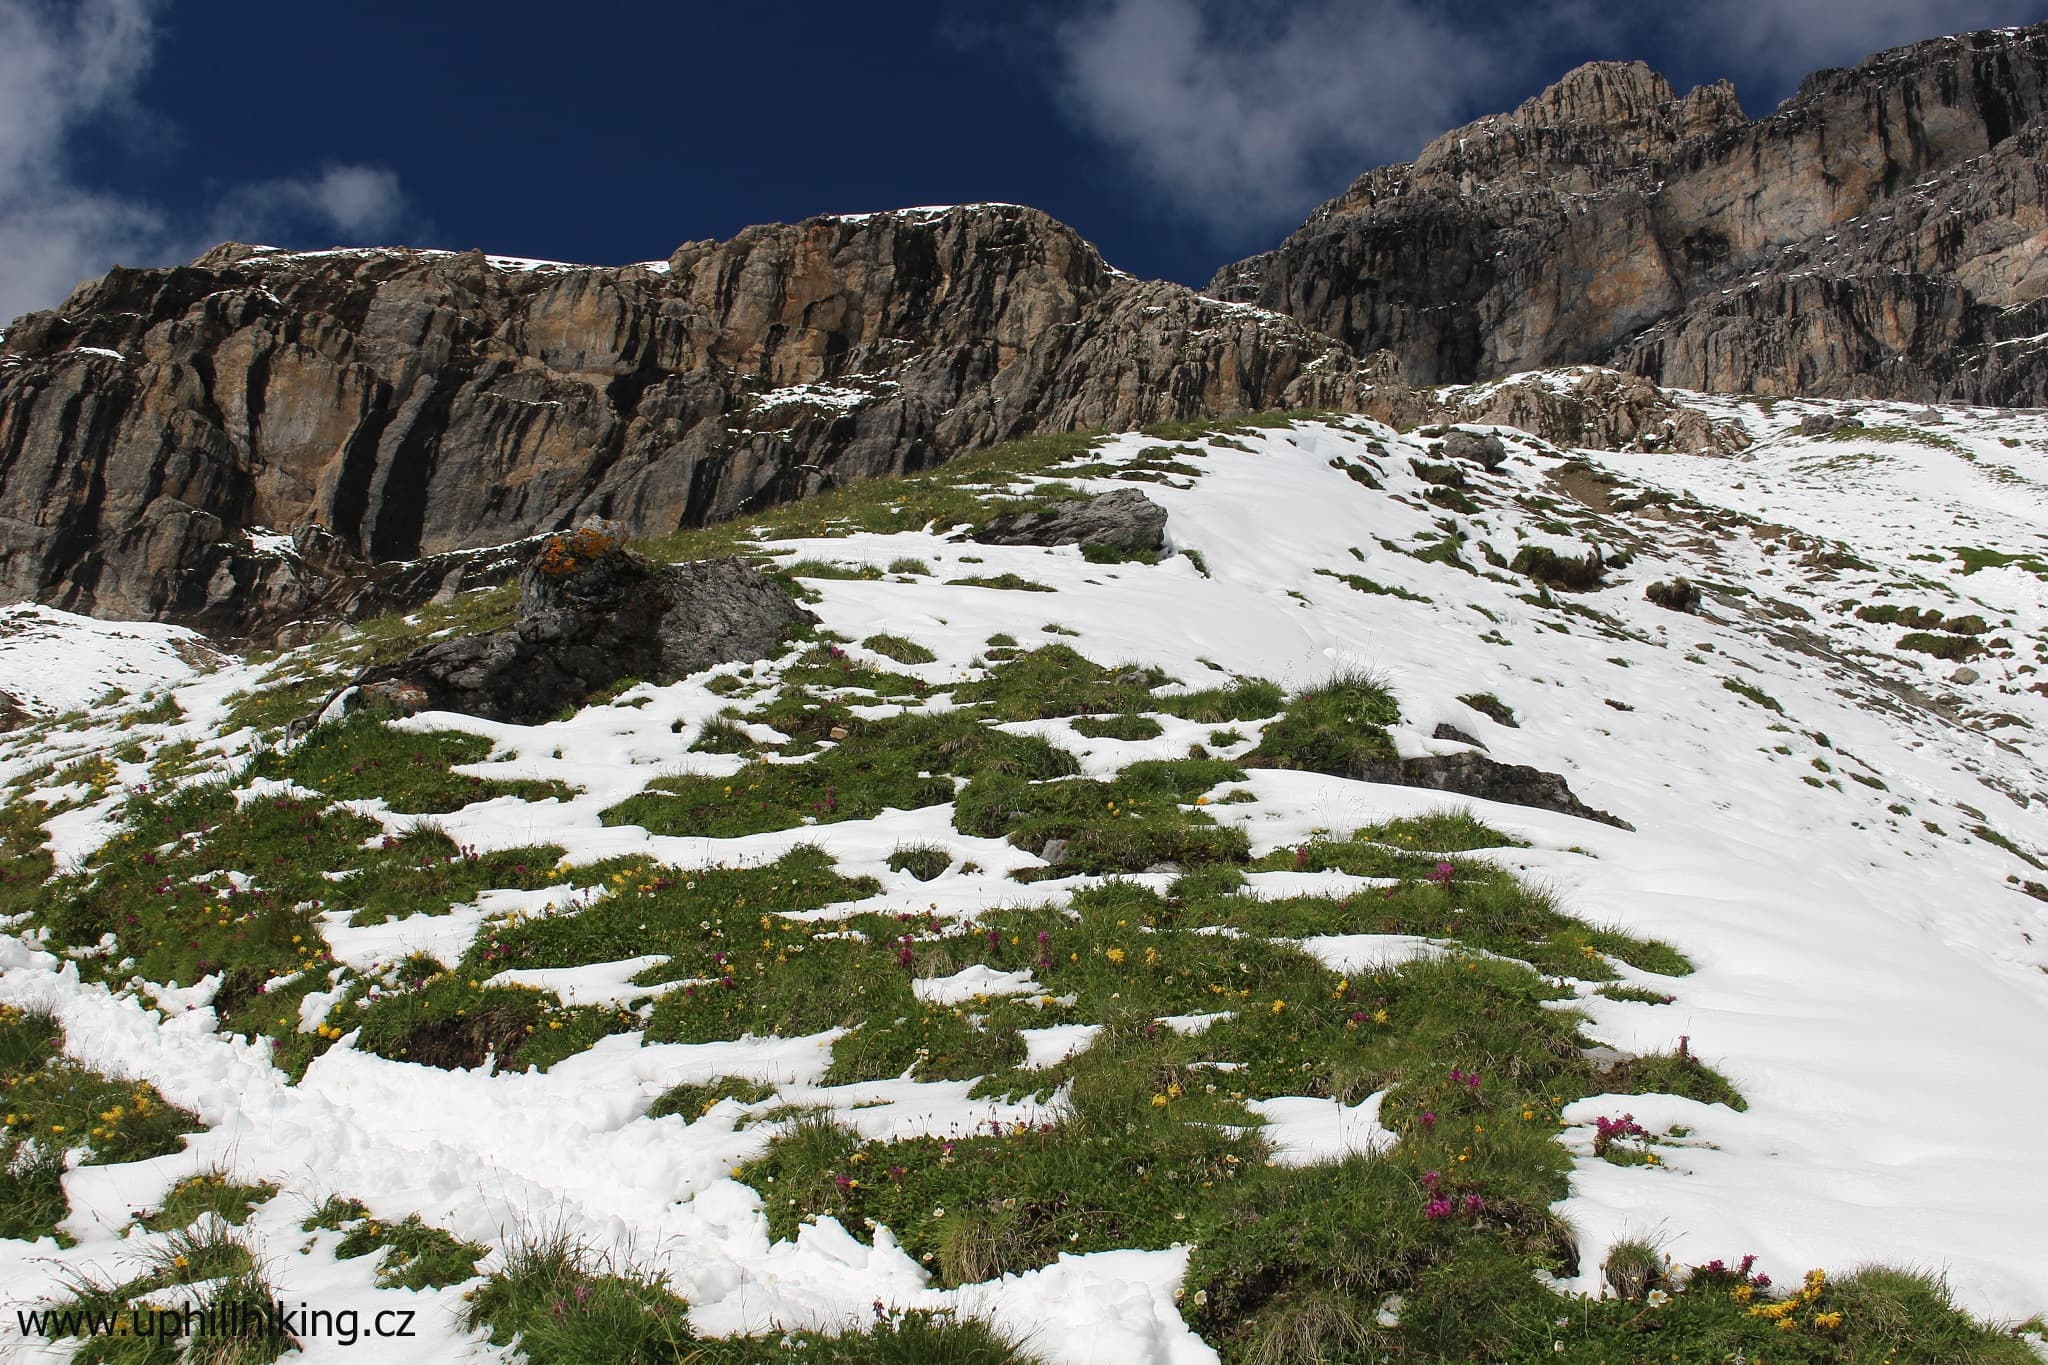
point(1879, 235)
point(1166, 951)
point(267, 439)
point(407, 403)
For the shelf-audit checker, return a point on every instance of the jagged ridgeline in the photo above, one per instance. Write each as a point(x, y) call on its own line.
point(416, 402)
point(1876, 237)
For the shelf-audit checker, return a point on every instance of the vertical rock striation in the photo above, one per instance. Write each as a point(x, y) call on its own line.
point(390, 404)
point(1880, 235)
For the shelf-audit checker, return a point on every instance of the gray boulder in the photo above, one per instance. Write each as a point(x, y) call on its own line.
point(1483, 449)
point(1123, 520)
point(1827, 423)
point(590, 615)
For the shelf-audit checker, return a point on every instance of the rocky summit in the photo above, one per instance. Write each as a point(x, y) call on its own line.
point(1879, 235)
point(260, 439)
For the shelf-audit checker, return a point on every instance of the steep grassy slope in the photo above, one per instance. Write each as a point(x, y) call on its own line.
point(1011, 971)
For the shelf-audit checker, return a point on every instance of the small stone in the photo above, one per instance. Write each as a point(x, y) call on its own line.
point(836, 732)
point(1964, 676)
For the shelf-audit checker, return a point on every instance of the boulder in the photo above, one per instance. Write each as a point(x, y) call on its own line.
point(1827, 423)
point(1481, 448)
point(1123, 520)
point(1514, 784)
point(1679, 594)
point(592, 614)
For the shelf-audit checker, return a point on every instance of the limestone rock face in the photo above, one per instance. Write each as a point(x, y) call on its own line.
point(1881, 234)
point(394, 404)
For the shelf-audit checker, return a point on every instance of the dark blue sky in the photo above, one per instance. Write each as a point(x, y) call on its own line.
point(1176, 134)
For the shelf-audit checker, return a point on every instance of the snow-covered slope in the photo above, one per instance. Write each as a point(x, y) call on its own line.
point(1844, 836)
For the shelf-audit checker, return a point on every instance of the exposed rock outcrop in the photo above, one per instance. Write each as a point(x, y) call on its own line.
point(590, 615)
point(1516, 784)
point(414, 403)
point(1881, 234)
point(1123, 520)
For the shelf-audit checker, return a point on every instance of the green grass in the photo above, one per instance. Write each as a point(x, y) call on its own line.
point(1675, 1073)
point(1896, 435)
point(24, 863)
point(567, 1304)
point(1751, 692)
point(922, 861)
point(1975, 558)
point(412, 1254)
point(451, 1019)
point(362, 757)
point(159, 892)
point(822, 568)
point(1455, 829)
point(1360, 583)
point(1954, 648)
point(1337, 727)
point(1009, 582)
point(722, 735)
point(424, 872)
point(1130, 727)
point(229, 1286)
point(1994, 838)
point(658, 909)
point(1470, 901)
point(209, 1192)
point(1546, 566)
point(1492, 707)
point(1145, 816)
point(1055, 680)
point(1154, 1146)
point(1891, 613)
point(54, 1106)
point(1110, 554)
point(904, 763)
point(692, 1102)
point(901, 650)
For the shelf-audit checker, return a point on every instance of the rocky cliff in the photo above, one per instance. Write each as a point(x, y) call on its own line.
point(263, 436)
point(387, 404)
point(1880, 235)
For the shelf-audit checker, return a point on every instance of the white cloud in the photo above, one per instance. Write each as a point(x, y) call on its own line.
point(1247, 115)
point(354, 200)
point(72, 63)
point(1786, 39)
